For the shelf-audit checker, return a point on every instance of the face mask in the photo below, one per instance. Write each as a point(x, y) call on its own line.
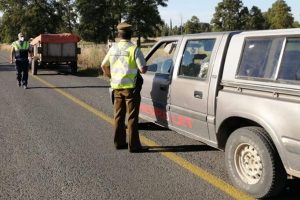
point(21, 39)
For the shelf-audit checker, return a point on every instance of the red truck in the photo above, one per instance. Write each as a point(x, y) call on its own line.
point(55, 49)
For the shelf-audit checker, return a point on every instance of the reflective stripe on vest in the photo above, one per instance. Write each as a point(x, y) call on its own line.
point(123, 67)
point(18, 46)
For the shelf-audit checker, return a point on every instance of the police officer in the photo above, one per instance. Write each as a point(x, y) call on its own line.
point(123, 63)
point(19, 54)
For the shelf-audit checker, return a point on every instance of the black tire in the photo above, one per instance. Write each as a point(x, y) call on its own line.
point(34, 66)
point(253, 164)
point(73, 67)
point(42, 65)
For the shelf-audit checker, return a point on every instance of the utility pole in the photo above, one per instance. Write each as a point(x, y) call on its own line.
point(180, 24)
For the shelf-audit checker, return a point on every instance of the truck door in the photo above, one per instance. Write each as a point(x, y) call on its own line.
point(155, 91)
point(190, 87)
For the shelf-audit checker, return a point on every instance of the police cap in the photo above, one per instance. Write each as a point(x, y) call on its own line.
point(21, 34)
point(124, 27)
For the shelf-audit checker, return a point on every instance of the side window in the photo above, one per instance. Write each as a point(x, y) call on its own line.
point(195, 58)
point(290, 65)
point(260, 57)
point(161, 61)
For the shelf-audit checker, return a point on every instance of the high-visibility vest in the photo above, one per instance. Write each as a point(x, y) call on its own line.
point(123, 67)
point(21, 50)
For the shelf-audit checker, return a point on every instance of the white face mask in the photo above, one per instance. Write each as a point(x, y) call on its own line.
point(21, 39)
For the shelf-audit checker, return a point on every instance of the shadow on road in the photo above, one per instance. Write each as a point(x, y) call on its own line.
point(149, 126)
point(71, 87)
point(65, 71)
point(7, 68)
point(180, 148)
point(291, 191)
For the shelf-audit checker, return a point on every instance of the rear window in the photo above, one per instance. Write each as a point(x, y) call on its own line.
point(260, 58)
point(290, 65)
point(271, 59)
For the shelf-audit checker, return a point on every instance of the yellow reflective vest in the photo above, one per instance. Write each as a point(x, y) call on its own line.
point(123, 67)
point(21, 49)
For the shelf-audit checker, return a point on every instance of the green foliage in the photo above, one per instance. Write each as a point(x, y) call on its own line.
point(99, 20)
point(296, 24)
point(279, 16)
point(194, 26)
point(228, 16)
point(255, 20)
point(95, 19)
point(144, 15)
point(35, 17)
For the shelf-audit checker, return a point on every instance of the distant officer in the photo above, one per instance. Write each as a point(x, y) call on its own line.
point(19, 54)
point(123, 63)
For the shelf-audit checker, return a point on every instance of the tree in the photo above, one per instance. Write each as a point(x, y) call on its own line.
point(227, 16)
point(194, 26)
point(94, 23)
point(279, 15)
point(30, 16)
point(255, 20)
point(296, 24)
point(99, 19)
point(144, 16)
point(67, 11)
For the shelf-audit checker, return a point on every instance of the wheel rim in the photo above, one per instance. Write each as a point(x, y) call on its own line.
point(248, 163)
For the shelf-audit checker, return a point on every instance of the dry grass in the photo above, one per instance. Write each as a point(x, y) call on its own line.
point(5, 47)
point(91, 55)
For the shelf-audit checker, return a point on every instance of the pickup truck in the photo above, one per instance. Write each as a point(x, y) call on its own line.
point(235, 91)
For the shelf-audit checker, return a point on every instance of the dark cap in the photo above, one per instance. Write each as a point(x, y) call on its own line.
point(124, 27)
point(21, 34)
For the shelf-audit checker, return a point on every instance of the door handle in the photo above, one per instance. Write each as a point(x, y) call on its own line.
point(198, 94)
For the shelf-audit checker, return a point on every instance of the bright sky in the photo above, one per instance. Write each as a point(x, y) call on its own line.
point(183, 10)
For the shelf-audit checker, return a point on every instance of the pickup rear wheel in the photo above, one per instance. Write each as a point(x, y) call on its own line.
point(253, 164)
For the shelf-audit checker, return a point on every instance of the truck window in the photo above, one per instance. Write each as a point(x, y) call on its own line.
point(195, 58)
point(161, 61)
point(290, 65)
point(260, 57)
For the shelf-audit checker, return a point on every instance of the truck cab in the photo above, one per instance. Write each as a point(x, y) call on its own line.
point(235, 91)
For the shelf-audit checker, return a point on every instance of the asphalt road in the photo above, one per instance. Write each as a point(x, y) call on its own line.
point(56, 143)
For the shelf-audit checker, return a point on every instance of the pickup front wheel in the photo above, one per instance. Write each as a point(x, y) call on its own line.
point(253, 164)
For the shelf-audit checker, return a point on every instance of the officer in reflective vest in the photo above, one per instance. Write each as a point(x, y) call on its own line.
point(123, 64)
point(19, 55)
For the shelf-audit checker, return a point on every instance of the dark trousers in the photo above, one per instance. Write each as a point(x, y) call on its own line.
point(22, 71)
point(126, 102)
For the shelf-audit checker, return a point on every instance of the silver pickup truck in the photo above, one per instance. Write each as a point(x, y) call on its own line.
point(235, 91)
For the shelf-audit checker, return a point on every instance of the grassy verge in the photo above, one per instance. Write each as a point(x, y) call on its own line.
point(5, 47)
point(92, 55)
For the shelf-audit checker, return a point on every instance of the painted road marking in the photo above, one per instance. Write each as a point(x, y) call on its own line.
point(198, 171)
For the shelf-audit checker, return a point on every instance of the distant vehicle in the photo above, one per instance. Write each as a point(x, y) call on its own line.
point(55, 49)
point(235, 91)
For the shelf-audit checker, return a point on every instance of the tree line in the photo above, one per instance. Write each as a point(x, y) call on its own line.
point(232, 15)
point(96, 20)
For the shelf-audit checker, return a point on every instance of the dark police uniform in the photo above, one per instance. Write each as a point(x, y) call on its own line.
point(20, 53)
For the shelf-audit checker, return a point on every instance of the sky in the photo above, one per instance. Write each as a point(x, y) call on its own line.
point(182, 10)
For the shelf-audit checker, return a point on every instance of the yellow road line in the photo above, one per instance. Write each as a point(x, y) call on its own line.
point(201, 173)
